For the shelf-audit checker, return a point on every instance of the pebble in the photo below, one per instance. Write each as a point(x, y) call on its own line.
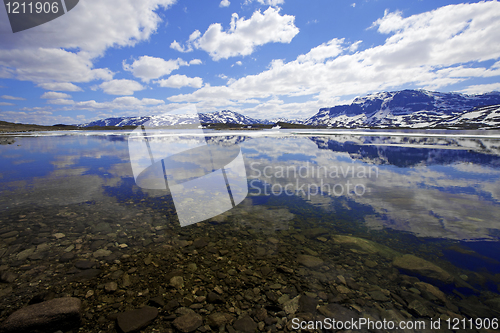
point(177, 282)
point(59, 235)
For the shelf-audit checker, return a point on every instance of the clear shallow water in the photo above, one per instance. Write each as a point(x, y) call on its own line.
point(435, 197)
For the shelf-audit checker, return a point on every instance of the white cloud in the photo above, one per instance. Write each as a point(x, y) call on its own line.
point(195, 62)
point(147, 68)
point(121, 87)
point(132, 101)
point(267, 2)
point(61, 101)
point(6, 103)
point(55, 95)
point(224, 3)
point(60, 86)
point(179, 81)
point(41, 55)
point(50, 64)
point(430, 50)
point(239, 63)
point(243, 35)
point(353, 5)
point(481, 88)
point(14, 98)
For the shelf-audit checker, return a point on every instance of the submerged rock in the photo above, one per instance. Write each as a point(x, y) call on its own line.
point(309, 261)
point(245, 324)
point(50, 316)
point(366, 245)
point(419, 266)
point(188, 322)
point(134, 320)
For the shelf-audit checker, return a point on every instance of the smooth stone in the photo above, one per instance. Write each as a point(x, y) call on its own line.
point(245, 324)
point(188, 322)
point(49, 316)
point(134, 320)
point(101, 253)
point(309, 261)
point(59, 235)
point(416, 265)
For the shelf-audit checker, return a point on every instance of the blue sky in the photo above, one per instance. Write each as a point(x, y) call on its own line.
point(262, 58)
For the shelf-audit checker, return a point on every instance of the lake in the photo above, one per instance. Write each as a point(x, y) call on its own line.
point(246, 230)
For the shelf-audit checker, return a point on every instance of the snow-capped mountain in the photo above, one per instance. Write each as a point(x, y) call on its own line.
point(219, 117)
point(403, 109)
point(411, 108)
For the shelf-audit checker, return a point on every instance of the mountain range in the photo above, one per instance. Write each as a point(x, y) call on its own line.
point(398, 109)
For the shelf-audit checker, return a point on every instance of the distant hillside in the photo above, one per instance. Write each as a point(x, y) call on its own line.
point(413, 109)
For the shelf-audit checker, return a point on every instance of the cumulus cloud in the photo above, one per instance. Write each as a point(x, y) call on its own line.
point(243, 35)
point(179, 81)
point(121, 87)
point(147, 68)
point(224, 3)
point(55, 95)
point(43, 56)
point(429, 50)
point(60, 86)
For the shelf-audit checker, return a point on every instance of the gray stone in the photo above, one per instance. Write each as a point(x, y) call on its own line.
point(309, 261)
point(188, 322)
point(50, 316)
point(134, 320)
point(245, 324)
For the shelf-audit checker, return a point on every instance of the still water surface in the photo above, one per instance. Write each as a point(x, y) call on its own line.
point(323, 224)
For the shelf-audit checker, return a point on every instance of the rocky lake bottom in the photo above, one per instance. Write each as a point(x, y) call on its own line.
point(254, 268)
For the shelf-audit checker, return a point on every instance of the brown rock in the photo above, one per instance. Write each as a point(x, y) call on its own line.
point(57, 314)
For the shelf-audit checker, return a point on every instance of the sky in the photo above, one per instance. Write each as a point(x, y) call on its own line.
point(262, 58)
